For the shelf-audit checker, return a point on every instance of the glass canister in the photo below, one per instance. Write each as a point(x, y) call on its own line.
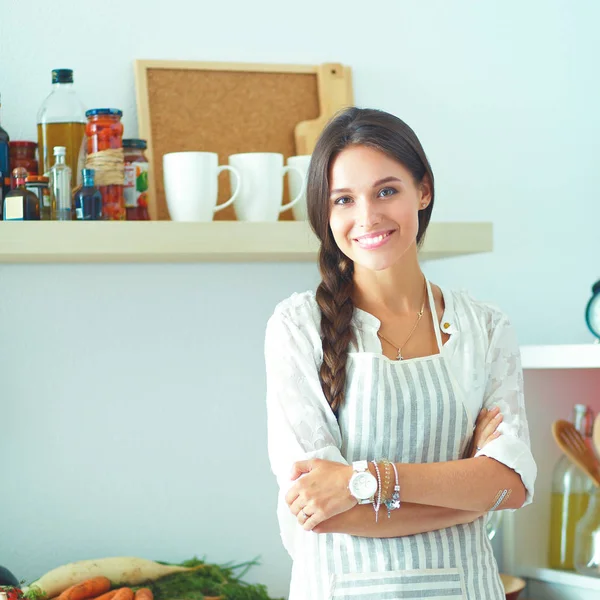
point(104, 146)
point(22, 154)
point(40, 186)
point(136, 180)
point(587, 539)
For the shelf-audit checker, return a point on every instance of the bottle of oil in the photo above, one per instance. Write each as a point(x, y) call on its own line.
point(61, 122)
point(570, 495)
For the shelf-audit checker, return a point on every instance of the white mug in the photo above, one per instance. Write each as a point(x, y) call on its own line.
point(191, 185)
point(262, 191)
point(297, 185)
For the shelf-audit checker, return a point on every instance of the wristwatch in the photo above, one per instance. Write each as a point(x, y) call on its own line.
point(362, 484)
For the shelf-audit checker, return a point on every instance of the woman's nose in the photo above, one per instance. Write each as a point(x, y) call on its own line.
point(367, 214)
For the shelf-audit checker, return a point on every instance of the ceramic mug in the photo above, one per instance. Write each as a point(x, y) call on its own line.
point(262, 191)
point(297, 185)
point(191, 185)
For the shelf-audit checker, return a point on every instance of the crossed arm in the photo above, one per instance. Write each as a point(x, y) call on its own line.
point(434, 495)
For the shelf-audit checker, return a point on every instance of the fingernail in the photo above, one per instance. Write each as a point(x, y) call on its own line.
point(497, 416)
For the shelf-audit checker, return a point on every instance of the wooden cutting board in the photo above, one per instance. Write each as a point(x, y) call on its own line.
point(334, 82)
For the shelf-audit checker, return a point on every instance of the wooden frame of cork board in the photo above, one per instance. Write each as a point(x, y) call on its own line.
point(233, 107)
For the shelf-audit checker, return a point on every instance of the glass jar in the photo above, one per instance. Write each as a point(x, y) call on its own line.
point(22, 154)
point(136, 180)
point(40, 186)
point(104, 146)
point(587, 538)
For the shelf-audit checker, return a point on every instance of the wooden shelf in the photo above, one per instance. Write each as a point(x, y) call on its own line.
point(576, 356)
point(217, 241)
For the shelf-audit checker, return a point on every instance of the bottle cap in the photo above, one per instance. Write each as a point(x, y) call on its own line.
point(60, 150)
point(94, 112)
point(88, 173)
point(62, 76)
point(19, 173)
point(134, 143)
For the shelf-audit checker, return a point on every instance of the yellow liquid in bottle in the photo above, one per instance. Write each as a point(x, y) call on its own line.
point(69, 135)
point(566, 510)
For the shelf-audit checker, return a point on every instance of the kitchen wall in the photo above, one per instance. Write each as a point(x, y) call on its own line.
point(132, 415)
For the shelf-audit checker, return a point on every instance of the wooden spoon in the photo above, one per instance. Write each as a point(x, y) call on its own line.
point(596, 434)
point(571, 442)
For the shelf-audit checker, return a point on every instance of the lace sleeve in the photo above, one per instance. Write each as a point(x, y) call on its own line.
point(300, 423)
point(504, 389)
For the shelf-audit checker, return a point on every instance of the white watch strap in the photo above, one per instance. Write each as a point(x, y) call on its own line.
point(360, 465)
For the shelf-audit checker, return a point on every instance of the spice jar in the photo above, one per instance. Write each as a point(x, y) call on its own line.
point(22, 154)
point(40, 186)
point(104, 145)
point(136, 180)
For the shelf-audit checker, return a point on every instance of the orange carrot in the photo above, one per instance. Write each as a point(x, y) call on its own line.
point(108, 596)
point(86, 589)
point(123, 593)
point(144, 594)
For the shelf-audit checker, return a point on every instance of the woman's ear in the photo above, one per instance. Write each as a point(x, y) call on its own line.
point(425, 189)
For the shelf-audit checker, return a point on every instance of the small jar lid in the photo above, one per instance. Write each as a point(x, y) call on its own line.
point(19, 173)
point(22, 144)
point(135, 143)
point(37, 179)
point(93, 112)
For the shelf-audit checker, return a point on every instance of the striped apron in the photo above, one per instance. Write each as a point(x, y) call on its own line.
point(408, 411)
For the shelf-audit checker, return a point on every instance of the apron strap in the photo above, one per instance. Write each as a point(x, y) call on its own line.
point(436, 323)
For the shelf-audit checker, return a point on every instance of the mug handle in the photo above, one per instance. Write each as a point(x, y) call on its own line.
point(237, 186)
point(286, 169)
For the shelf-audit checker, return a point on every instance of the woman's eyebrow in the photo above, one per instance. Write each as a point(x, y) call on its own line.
point(378, 182)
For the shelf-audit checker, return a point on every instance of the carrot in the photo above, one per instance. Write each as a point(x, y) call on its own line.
point(108, 596)
point(144, 594)
point(86, 589)
point(123, 593)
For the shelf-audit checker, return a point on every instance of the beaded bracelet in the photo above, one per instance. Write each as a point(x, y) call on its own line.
point(377, 504)
point(394, 502)
point(386, 479)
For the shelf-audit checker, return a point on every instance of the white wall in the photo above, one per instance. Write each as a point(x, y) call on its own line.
point(132, 397)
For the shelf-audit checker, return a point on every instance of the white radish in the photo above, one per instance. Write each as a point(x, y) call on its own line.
point(121, 570)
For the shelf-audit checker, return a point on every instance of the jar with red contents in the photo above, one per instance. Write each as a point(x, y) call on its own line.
point(136, 180)
point(22, 154)
point(104, 145)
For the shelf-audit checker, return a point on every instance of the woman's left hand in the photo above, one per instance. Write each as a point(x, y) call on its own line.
point(320, 492)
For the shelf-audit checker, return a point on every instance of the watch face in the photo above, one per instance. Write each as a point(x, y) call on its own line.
point(364, 485)
point(593, 315)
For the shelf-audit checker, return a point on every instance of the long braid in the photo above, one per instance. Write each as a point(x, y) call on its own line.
point(334, 297)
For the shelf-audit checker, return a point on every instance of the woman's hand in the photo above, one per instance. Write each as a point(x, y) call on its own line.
point(486, 430)
point(320, 492)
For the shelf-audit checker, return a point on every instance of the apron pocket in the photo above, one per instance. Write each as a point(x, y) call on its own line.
point(433, 584)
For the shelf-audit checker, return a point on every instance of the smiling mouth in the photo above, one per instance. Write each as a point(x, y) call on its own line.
point(373, 241)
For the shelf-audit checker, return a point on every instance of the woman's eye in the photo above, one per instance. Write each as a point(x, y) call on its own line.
point(342, 200)
point(387, 192)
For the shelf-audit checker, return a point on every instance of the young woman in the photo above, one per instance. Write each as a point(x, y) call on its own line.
point(381, 365)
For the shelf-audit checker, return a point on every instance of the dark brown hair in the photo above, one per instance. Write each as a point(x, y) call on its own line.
point(390, 135)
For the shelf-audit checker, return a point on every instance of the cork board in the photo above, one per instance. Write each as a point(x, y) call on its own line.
point(224, 108)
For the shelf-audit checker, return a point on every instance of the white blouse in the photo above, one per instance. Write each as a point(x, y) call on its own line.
point(482, 353)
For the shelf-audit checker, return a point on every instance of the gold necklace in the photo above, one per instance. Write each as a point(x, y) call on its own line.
point(399, 348)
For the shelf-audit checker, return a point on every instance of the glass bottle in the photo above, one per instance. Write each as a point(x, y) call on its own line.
point(4, 154)
point(570, 495)
point(587, 540)
point(20, 204)
point(60, 183)
point(88, 199)
point(61, 122)
point(135, 190)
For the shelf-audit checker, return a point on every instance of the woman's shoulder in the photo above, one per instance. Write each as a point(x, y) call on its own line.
point(299, 310)
point(474, 314)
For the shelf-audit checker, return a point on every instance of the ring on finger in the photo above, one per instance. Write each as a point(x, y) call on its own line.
point(304, 515)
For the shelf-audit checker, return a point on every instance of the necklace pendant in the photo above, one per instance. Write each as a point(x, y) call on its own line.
point(399, 357)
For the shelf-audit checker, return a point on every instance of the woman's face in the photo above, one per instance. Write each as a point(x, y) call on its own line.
point(374, 207)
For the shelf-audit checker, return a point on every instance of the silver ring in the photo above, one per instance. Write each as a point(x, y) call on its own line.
point(478, 448)
point(305, 515)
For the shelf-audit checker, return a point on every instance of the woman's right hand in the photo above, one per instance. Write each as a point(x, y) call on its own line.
point(486, 429)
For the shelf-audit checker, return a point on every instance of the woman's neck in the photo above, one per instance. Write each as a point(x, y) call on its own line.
point(397, 291)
